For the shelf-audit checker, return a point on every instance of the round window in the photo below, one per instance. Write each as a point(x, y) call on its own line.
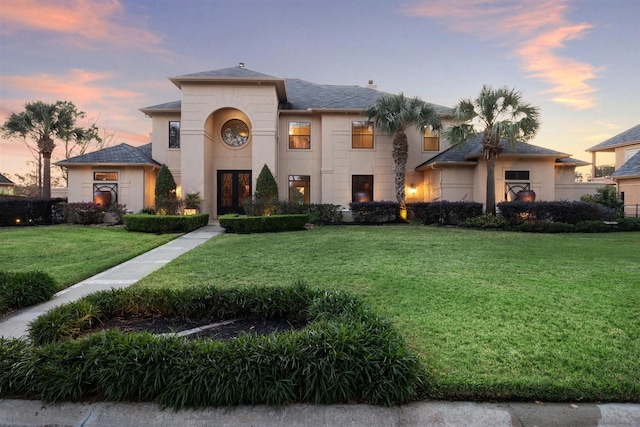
point(235, 133)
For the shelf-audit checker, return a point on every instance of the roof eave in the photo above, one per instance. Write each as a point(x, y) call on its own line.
point(432, 165)
point(149, 111)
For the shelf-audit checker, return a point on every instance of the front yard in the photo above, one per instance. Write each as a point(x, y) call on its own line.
point(493, 315)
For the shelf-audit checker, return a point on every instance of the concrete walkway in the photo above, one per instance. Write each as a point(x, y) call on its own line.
point(22, 413)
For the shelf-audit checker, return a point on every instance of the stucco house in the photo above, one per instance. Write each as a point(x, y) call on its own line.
point(230, 122)
point(626, 148)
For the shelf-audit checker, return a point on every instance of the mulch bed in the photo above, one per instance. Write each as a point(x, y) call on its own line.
point(211, 328)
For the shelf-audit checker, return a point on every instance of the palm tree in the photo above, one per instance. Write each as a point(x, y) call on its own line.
point(498, 114)
point(393, 115)
point(44, 123)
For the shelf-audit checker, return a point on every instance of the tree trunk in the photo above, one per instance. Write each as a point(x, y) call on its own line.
point(400, 154)
point(46, 175)
point(491, 185)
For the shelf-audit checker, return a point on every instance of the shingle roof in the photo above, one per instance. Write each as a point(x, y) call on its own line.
point(122, 154)
point(471, 151)
point(300, 94)
point(5, 180)
point(626, 137)
point(630, 168)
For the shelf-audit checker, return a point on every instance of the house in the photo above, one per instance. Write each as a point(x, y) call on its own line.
point(6, 185)
point(230, 122)
point(626, 148)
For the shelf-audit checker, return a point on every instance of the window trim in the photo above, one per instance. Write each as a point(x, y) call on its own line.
point(517, 175)
point(363, 124)
point(292, 136)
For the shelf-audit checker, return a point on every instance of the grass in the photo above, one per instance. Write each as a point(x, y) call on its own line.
point(69, 253)
point(492, 315)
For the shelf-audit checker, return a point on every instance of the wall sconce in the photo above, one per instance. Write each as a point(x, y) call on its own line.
point(412, 189)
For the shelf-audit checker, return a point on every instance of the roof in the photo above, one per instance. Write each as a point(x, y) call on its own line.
point(471, 151)
point(122, 154)
point(631, 168)
point(624, 138)
point(297, 94)
point(6, 181)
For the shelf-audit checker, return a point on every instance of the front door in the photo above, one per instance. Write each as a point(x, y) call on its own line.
point(234, 186)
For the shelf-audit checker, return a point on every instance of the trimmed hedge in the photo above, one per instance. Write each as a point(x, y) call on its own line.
point(345, 353)
point(263, 224)
point(165, 223)
point(516, 213)
point(22, 289)
point(443, 212)
point(375, 212)
point(26, 210)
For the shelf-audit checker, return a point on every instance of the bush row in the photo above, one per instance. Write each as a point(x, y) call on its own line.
point(263, 224)
point(165, 223)
point(346, 352)
point(25, 211)
point(569, 212)
point(22, 289)
point(319, 213)
point(375, 211)
point(443, 212)
point(595, 226)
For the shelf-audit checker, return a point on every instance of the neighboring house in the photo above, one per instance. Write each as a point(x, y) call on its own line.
point(6, 185)
point(229, 123)
point(626, 147)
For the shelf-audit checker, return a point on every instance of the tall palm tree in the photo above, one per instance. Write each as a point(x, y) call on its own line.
point(44, 123)
point(393, 115)
point(498, 114)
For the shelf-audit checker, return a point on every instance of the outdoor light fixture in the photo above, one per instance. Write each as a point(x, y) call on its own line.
point(412, 189)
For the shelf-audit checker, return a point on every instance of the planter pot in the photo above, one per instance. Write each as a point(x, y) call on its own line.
point(526, 196)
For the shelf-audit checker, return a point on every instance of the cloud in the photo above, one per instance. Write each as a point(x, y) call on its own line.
point(535, 30)
point(84, 22)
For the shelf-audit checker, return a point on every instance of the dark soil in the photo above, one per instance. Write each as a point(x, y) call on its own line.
point(210, 328)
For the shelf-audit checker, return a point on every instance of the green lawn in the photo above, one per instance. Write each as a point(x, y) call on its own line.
point(491, 314)
point(69, 253)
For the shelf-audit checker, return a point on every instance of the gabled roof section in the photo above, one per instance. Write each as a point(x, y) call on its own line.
point(630, 168)
point(627, 137)
point(6, 181)
point(471, 151)
point(122, 154)
point(167, 107)
point(233, 75)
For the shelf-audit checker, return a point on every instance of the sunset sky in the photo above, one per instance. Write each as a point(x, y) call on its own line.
point(578, 60)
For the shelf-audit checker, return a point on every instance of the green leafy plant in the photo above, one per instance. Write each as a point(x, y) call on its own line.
point(167, 202)
point(192, 201)
point(22, 289)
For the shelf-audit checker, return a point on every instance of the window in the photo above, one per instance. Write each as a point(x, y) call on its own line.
point(174, 134)
point(235, 133)
point(105, 176)
point(362, 134)
point(630, 153)
point(362, 188)
point(299, 135)
point(299, 188)
point(517, 175)
point(431, 140)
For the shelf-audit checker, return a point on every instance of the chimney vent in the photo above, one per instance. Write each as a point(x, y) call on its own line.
point(241, 65)
point(370, 85)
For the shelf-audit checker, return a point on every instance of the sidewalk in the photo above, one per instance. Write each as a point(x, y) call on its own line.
point(22, 413)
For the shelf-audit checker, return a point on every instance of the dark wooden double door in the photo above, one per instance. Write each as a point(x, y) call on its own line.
point(234, 186)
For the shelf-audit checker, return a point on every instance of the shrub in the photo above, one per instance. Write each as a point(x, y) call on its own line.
point(607, 196)
point(371, 212)
point(263, 224)
point(346, 352)
point(26, 210)
point(569, 212)
point(167, 202)
point(22, 289)
point(545, 227)
point(165, 223)
point(443, 212)
point(83, 213)
point(266, 186)
point(484, 221)
point(594, 227)
point(629, 224)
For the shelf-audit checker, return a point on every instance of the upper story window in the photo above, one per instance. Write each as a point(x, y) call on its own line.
point(431, 140)
point(300, 135)
point(362, 134)
point(174, 134)
point(516, 175)
point(105, 176)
